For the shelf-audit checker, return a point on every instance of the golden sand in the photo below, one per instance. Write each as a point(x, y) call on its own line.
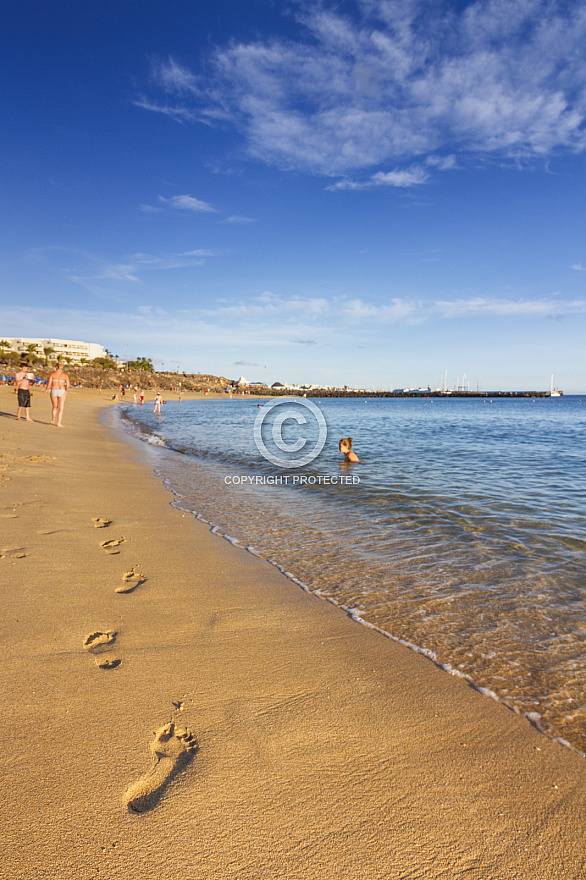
point(174, 707)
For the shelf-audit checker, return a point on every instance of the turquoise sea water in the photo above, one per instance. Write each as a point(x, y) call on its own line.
point(462, 532)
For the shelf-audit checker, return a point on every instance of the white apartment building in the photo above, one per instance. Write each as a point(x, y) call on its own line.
point(62, 348)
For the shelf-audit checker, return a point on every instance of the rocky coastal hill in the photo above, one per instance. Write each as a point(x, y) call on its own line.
point(90, 377)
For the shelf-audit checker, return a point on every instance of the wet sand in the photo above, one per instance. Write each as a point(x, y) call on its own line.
point(173, 706)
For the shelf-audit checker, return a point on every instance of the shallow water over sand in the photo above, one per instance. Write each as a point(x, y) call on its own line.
point(465, 535)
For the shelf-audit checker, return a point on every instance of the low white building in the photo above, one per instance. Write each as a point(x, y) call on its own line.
point(62, 348)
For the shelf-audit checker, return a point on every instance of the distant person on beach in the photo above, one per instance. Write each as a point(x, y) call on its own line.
point(57, 386)
point(141, 395)
point(345, 446)
point(22, 381)
point(158, 402)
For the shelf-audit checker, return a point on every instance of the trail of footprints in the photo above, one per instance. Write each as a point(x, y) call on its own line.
point(174, 746)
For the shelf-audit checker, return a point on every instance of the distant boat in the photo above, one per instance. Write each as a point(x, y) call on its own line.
point(554, 391)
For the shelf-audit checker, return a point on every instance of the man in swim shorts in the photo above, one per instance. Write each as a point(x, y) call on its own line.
point(57, 386)
point(22, 381)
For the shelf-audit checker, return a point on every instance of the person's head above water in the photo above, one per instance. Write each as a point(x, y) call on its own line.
point(345, 446)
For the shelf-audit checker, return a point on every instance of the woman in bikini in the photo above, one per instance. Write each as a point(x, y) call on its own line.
point(57, 386)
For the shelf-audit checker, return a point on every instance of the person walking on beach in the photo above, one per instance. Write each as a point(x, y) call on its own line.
point(22, 380)
point(57, 386)
point(158, 402)
point(141, 395)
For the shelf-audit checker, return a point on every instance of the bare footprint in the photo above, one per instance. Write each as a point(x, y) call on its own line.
point(100, 522)
point(112, 545)
point(96, 640)
point(130, 581)
point(12, 553)
point(108, 662)
point(173, 748)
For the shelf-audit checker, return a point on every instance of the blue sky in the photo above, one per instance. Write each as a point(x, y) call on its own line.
point(361, 192)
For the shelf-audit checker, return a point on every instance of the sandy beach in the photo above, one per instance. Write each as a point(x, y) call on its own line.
point(174, 707)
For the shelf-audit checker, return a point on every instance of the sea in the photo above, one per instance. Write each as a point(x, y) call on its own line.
point(461, 532)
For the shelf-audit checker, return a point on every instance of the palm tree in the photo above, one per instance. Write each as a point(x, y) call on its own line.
point(4, 343)
point(141, 363)
point(31, 356)
point(48, 351)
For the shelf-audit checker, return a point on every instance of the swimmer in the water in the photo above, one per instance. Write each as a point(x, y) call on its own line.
point(345, 446)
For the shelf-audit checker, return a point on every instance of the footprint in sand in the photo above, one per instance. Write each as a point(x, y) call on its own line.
point(108, 662)
point(173, 748)
point(130, 581)
point(111, 546)
point(100, 522)
point(12, 553)
point(96, 641)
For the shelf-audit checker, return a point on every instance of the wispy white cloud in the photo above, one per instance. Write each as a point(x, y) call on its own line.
point(99, 275)
point(186, 203)
point(178, 113)
point(396, 310)
point(271, 324)
point(236, 219)
point(443, 163)
point(406, 177)
point(419, 311)
point(174, 78)
point(200, 252)
point(478, 307)
point(300, 319)
point(396, 82)
point(578, 267)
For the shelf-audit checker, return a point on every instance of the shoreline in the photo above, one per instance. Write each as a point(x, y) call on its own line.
point(322, 748)
point(358, 618)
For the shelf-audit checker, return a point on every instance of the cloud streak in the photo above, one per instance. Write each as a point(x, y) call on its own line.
point(276, 330)
point(99, 275)
point(401, 178)
point(187, 203)
point(397, 81)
